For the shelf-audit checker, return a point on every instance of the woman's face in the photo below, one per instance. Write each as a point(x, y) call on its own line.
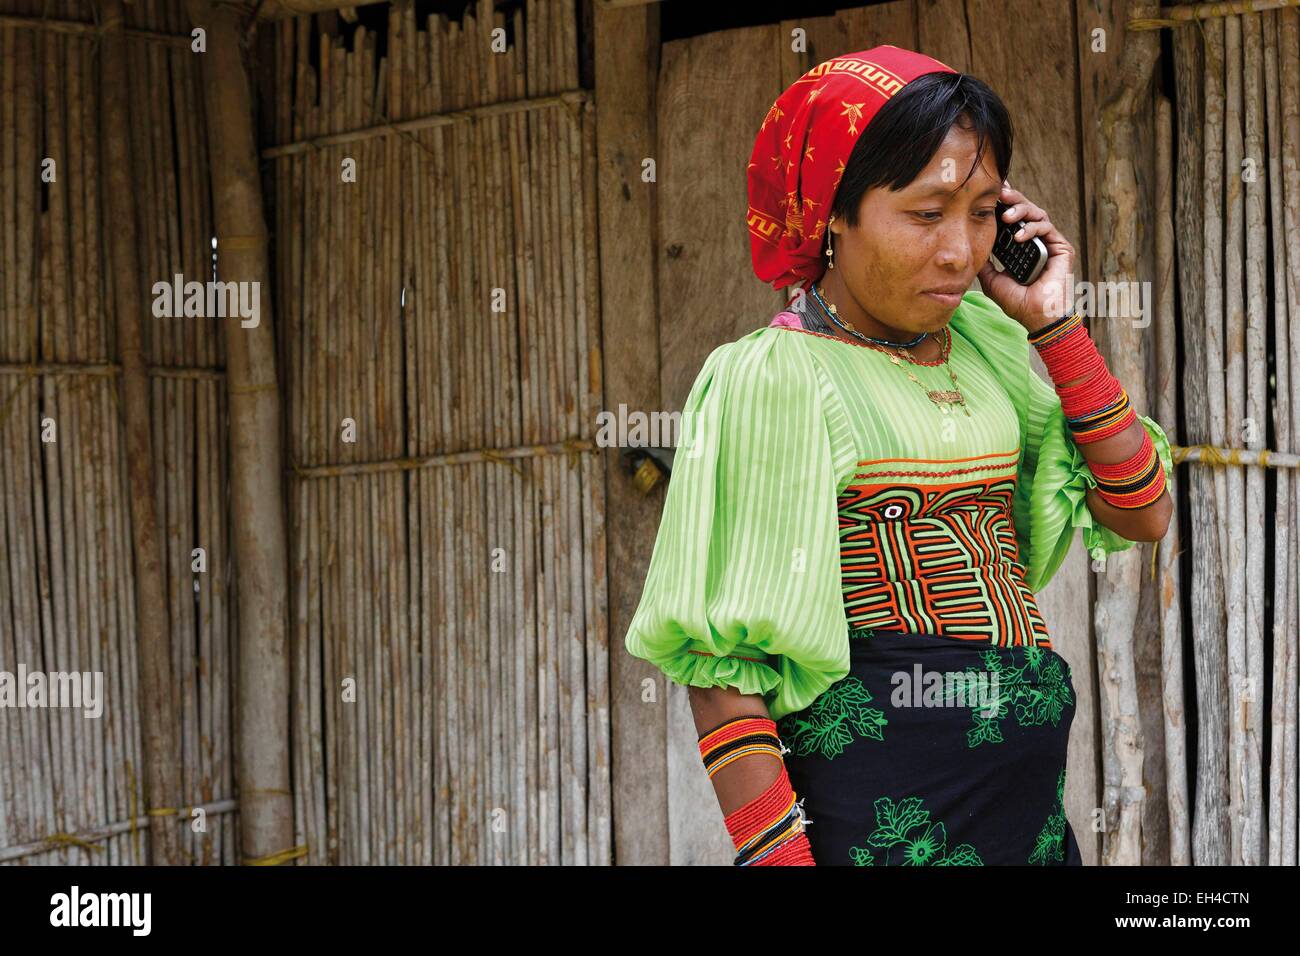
point(928, 237)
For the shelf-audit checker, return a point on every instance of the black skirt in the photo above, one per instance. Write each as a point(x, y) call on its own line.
point(936, 751)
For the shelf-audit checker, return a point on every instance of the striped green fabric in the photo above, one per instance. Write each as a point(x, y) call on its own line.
point(744, 587)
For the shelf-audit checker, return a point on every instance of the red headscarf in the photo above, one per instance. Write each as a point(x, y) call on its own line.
point(801, 149)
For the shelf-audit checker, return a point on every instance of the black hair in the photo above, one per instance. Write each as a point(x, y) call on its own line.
point(905, 134)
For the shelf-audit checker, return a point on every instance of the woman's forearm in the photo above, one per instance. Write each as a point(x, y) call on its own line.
point(1136, 524)
point(1131, 497)
point(747, 777)
point(742, 752)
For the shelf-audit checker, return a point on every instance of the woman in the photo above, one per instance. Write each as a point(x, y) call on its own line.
point(871, 489)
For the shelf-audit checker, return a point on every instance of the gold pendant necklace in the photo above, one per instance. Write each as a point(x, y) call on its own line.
point(945, 398)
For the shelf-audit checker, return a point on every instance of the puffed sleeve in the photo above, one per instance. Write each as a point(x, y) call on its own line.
point(743, 588)
point(1057, 478)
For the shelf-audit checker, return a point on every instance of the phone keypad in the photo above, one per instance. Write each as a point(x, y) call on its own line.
point(1017, 258)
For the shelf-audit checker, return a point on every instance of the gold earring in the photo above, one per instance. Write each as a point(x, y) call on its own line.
point(830, 250)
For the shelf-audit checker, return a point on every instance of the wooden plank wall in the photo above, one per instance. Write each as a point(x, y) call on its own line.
point(705, 300)
point(1049, 166)
point(1099, 35)
point(711, 94)
point(626, 61)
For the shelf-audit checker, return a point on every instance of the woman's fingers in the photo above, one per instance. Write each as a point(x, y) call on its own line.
point(1035, 227)
point(1017, 300)
point(1035, 223)
point(1032, 218)
point(1012, 198)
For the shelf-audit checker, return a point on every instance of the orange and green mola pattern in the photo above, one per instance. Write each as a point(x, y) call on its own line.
point(928, 546)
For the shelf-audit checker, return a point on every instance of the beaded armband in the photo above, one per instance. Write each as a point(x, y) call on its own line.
point(1134, 483)
point(769, 830)
point(1097, 407)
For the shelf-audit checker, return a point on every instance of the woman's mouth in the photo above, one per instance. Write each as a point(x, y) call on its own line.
point(948, 299)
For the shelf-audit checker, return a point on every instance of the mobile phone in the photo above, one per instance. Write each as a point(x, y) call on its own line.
point(1023, 261)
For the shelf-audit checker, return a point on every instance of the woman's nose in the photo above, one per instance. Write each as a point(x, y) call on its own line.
point(955, 248)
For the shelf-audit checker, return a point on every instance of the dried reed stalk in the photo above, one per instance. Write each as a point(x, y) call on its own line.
point(1240, 694)
point(1171, 634)
point(1288, 243)
point(157, 702)
point(1256, 370)
point(1211, 842)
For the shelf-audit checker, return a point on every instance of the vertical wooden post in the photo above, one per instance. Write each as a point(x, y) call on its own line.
point(1118, 589)
point(161, 756)
point(626, 57)
point(256, 460)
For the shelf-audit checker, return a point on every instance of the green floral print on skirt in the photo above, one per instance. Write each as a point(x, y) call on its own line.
point(936, 751)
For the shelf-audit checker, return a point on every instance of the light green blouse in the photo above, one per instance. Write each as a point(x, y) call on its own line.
point(744, 586)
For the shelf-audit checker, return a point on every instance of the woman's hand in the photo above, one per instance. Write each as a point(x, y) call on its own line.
point(1033, 306)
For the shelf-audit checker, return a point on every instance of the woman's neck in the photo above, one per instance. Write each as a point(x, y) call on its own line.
point(834, 292)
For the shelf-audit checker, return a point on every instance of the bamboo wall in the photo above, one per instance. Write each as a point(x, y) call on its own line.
point(451, 559)
point(1237, 254)
point(71, 787)
point(448, 565)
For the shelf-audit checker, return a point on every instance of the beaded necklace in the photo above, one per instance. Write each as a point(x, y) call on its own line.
point(897, 352)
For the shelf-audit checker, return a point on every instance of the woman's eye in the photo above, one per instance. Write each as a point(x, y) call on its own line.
point(936, 216)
